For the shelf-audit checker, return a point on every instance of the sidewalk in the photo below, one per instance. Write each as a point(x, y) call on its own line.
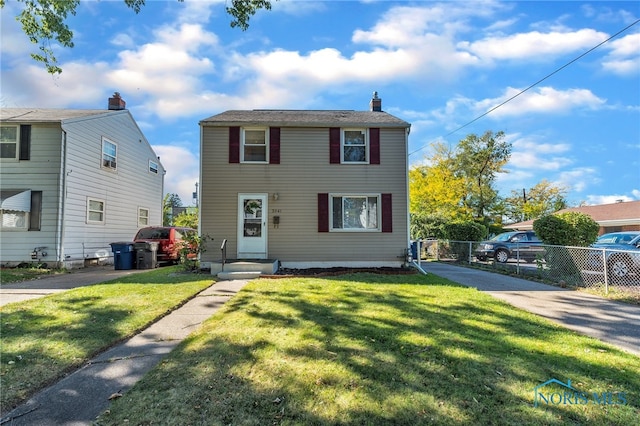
point(84, 394)
point(612, 322)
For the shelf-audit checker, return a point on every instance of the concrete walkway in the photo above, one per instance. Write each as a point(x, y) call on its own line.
point(83, 395)
point(612, 322)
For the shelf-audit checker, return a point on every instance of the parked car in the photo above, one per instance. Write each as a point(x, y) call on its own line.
point(509, 245)
point(621, 250)
point(170, 240)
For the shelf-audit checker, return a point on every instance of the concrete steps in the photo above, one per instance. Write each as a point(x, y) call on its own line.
point(244, 269)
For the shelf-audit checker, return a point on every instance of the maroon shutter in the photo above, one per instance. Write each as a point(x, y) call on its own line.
point(323, 212)
point(387, 222)
point(25, 142)
point(234, 144)
point(334, 145)
point(274, 145)
point(374, 146)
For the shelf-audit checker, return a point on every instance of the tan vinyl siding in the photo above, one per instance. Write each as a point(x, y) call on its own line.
point(304, 172)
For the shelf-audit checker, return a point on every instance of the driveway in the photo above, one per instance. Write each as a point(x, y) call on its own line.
point(50, 284)
point(612, 322)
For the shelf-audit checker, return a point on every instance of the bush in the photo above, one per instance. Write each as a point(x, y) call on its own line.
point(567, 229)
point(192, 244)
point(463, 231)
point(424, 226)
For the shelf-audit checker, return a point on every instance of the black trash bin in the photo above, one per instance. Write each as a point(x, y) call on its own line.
point(414, 250)
point(123, 255)
point(146, 254)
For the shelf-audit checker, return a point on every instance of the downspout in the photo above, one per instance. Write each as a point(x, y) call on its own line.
point(406, 183)
point(62, 194)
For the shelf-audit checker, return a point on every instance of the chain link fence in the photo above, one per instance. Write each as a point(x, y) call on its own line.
point(602, 269)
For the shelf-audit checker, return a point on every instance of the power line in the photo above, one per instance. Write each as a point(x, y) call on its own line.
point(534, 84)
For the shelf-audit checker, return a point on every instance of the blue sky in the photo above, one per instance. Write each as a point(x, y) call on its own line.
point(437, 65)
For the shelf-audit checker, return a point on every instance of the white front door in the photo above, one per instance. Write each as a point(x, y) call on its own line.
point(252, 226)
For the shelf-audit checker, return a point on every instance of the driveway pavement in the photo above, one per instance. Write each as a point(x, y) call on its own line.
point(50, 284)
point(612, 322)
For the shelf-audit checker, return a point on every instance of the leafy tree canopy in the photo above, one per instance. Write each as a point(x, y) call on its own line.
point(43, 21)
point(542, 199)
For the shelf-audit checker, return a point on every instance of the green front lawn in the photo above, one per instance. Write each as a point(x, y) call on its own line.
point(367, 349)
point(44, 338)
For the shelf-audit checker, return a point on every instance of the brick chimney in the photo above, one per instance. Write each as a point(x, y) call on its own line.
point(376, 102)
point(116, 102)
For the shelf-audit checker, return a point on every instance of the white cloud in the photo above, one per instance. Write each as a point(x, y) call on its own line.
point(534, 45)
point(595, 200)
point(624, 58)
point(182, 168)
point(580, 178)
point(541, 100)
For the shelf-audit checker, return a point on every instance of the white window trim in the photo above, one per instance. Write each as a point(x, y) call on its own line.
point(266, 144)
point(366, 145)
point(378, 196)
point(153, 169)
point(102, 153)
point(104, 211)
point(140, 222)
point(17, 143)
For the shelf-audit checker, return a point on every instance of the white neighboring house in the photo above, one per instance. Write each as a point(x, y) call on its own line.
point(74, 181)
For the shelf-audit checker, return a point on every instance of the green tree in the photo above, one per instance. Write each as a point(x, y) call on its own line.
point(479, 160)
point(187, 219)
point(43, 22)
point(170, 201)
point(542, 199)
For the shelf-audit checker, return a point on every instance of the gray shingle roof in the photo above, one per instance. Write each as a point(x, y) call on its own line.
point(46, 115)
point(305, 118)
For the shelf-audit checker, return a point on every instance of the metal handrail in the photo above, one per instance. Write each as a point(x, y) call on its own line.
point(223, 249)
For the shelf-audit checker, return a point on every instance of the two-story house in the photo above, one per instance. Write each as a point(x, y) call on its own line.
point(308, 188)
point(74, 181)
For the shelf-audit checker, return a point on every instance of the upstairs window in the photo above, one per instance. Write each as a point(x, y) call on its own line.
point(354, 146)
point(254, 145)
point(153, 167)
point(8, 142)
point(109, 154)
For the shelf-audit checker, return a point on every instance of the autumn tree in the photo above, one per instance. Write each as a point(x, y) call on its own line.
point(43, 22)
point(436, 188)
point(542, 199)
point(478, 161)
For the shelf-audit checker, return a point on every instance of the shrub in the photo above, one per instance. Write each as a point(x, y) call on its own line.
point(463, 231)
point(567, 229)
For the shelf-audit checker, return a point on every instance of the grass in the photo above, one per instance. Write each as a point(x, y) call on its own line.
point(13, 275)
point(42, 339)
point(368, 349)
